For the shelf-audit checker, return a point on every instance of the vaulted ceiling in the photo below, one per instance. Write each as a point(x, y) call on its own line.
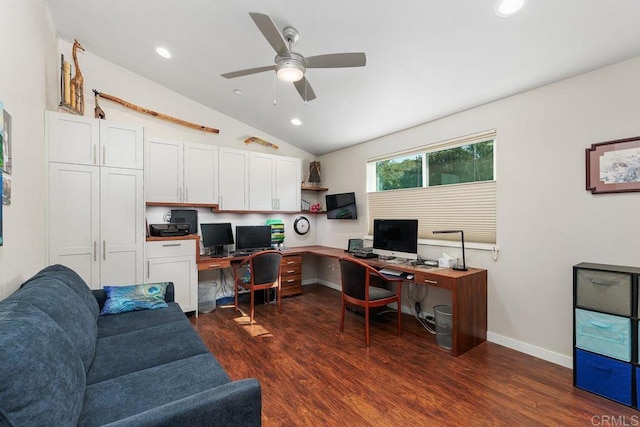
point(425, 59)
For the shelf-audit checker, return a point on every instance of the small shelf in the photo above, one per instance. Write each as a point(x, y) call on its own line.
point(314, 188)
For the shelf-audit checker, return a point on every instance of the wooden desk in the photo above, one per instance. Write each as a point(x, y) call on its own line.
point(468, 291)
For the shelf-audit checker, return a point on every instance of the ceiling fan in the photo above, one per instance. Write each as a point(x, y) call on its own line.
point(290, 66)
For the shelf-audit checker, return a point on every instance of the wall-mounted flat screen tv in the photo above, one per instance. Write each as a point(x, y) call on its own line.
point(341, 206)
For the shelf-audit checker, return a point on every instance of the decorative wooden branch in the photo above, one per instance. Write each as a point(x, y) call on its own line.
point(155, 114)
point(260, 141)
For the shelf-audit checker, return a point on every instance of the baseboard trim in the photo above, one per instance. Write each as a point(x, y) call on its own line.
point(532, 350)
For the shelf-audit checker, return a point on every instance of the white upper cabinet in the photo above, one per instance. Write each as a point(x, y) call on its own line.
point(274, 183)
point(233, 175)
point(181, 172)
point(121, 146)
point(288, 180)
point(262, 182)
point(200, 173)
point(86, 141)
point(163, 171)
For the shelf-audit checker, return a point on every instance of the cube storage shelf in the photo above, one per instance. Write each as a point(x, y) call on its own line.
point(605, 331)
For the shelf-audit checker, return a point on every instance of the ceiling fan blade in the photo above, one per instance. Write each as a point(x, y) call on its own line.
point(270, 32)
point(247, 72)
point(337, 60)
point(304, 89)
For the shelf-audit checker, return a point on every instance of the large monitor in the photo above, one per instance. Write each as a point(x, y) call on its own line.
point(251, 238)
point(396, 238)
point(215, 236)
point(341, 206)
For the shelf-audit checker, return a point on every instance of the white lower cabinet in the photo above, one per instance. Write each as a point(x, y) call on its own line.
point(175, 261)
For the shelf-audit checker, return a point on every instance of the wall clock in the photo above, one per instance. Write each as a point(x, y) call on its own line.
point(301, 225)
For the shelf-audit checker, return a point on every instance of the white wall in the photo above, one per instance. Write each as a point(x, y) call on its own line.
point(546, 220)
point(27, 88)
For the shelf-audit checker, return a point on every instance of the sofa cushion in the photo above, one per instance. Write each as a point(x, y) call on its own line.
point(121, 299)
point(42, 378)
point(125, 396)
point(122, 354)
point(137, 320)
point(71, 279)
point(66, 308)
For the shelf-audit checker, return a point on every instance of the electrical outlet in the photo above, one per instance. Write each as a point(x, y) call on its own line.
point(332, 267)
point(417, 307)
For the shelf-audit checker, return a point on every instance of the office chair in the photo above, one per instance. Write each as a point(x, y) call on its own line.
point(264, 270)
point(358, 290)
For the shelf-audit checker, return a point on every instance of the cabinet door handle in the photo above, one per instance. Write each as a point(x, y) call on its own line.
point(278, 204)
point(186, 194)
point(95, 251)
point(104, 154)
point(433, 282)
point(180, 194)
point(171, 244)
point(104, 250)
point(148, 269)
point(95, 162)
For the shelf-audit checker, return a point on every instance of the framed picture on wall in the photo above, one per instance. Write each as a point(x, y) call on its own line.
point(613, 166)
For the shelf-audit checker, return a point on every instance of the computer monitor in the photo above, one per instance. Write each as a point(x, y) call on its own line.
point(215, 236)
point(251, 238)
point(395, 238)
point(186, 216)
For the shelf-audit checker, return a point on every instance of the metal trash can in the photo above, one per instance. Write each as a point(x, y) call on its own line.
point(444, 325)
point(206, 297)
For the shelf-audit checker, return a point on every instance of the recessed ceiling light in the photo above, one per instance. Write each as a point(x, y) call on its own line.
point(296, 122)
point(164, 52)
point(506, 8)
point(237, 92)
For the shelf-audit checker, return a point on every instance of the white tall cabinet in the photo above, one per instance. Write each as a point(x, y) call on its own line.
point(95, 203)
point(181, 172)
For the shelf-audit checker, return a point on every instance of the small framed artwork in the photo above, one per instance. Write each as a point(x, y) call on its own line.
point(614, 166)
point(354, 245)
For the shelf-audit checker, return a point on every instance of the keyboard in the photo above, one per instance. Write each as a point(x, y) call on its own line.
point(396, 273)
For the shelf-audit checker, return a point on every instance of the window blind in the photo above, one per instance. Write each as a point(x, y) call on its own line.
point(470, 207)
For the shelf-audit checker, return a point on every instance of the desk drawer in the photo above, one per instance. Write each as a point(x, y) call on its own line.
point(291, 262)
point(213, 264)
point(433, 280)
point(170, 248)
point(291, 285)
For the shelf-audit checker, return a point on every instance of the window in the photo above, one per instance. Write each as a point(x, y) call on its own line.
point(445, 186)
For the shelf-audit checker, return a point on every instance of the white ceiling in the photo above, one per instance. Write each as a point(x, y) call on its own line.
point(425, 59)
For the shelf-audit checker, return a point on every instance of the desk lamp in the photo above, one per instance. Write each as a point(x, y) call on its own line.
point(455, 267)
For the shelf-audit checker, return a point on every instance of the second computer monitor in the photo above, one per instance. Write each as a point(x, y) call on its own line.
point(215, 236)
point(253, 237)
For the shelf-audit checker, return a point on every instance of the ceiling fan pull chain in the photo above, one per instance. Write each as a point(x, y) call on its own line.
point(274, 89)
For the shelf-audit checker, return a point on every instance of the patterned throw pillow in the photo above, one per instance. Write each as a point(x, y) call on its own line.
point(121, 299)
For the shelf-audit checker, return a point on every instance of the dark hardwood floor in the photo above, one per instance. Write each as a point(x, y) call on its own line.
point(311, 374)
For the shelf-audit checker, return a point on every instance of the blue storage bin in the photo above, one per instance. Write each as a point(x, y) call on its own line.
point(603, 376)
point(604, 334)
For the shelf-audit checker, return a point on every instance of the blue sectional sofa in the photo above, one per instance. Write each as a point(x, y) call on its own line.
point(61, 364)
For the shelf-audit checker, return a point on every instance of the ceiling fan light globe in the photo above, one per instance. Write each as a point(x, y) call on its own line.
point(290, 73)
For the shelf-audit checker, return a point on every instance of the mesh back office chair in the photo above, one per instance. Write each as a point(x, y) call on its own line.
point(358, 290)
point(265, 274)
